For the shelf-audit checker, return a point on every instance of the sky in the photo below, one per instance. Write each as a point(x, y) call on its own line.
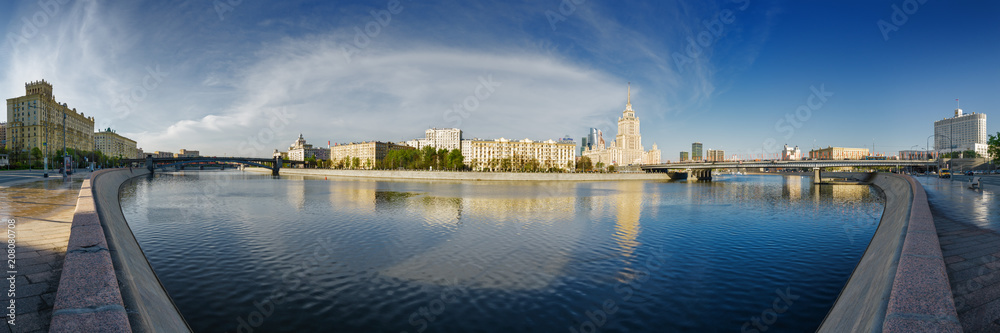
point(244, 77)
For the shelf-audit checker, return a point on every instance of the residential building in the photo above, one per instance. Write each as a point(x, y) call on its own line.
point(188, 153)
point(917, 155)
point(3, 134)
point(112, 144)
point(696, 152)
point(439, 138)
point(163, 154)
point(713, 155)
point(491, 154)
point(684, 156)
point(37, 120)
point(838, 153)
point(627, 147)
point(300, 150)
point(369, 153)
point(791, 154)
point(963, 132)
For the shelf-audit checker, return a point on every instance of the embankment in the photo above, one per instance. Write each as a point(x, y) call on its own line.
point(473, 176)
point(900, 283)
point(107, 284)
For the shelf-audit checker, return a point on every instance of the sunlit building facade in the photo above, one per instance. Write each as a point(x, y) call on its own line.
point(368, 153)
point(113, 144)
point(963, 132)
point(36, 119)
point(491, 154)
point(838, 153)
point(627, 147)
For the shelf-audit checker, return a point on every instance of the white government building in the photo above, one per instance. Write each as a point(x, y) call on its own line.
point(961, 133)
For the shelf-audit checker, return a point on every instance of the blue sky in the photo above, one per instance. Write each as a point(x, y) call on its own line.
point(246, 77)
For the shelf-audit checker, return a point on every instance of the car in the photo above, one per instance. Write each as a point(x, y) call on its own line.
point(969, 173)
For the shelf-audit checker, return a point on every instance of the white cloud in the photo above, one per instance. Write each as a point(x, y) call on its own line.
point(392, 95)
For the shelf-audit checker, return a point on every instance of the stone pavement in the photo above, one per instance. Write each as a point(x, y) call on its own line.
point(970, 244)
point(43, 214)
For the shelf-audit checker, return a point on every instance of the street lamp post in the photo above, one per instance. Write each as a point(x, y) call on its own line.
point(65, 155)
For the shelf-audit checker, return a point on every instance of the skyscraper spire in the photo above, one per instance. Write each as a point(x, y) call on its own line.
point(628, 100)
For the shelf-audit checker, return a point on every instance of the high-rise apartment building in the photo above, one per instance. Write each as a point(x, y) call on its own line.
point(37, 120)
point(439, 138)
point(367, 153)
point(961, 133)
point(684, 156)
point(113, 144)
point(696, 152)
point(713, 155)
point(492, 154)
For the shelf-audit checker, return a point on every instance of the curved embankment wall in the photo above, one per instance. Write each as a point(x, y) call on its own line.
point(483, 176)
point(107, 284)
point(900, 283)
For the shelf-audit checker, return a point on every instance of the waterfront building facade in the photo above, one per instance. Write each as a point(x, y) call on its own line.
point(36, 120)
point(163, 154)
point(369, 153)
point(791, 154)
point(962, 132)
point(492, 154)
point(188, 153)
point(627, 147)
point(713, 155)
point(838, 153)
point(696, 152)
point(439, 138)
point(111, 144)
point(917, 155)
point(300, 150)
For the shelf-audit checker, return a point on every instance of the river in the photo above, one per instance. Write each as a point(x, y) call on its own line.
point(253, 253)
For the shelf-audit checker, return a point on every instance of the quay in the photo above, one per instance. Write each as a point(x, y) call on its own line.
point(903, 283)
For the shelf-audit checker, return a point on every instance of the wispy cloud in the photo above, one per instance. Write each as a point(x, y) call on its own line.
point(227, 78)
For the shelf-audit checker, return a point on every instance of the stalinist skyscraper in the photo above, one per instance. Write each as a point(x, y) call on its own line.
point(626, 148)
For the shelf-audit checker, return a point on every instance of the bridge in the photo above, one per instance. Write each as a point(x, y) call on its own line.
point(153, 163)
point(703, 170)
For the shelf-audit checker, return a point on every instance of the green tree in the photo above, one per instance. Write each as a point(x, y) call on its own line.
point(356, 163)
point(454, 160)
point(600, 165)
point(584, 164)
point(506, 164)
point(993, 147)
point(611, 168)
point(36, 154)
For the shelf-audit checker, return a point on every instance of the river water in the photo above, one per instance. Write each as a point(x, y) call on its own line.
point(253, 253)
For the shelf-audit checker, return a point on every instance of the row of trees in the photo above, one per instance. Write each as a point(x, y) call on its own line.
point(429, 158)
point(35, 158)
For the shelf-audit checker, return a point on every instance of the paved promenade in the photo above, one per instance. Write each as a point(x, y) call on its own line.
point(43, 212)
point(968, 225)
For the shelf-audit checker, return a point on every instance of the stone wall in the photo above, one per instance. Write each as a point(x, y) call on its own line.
point(900, 283)
point(89, 303)
point(483, 176)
